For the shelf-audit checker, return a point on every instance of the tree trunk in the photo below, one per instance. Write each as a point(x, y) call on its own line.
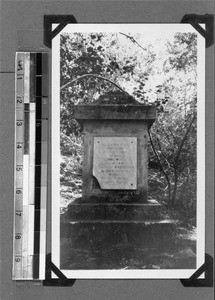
point(169, 192)
point(175, 188)
point(162, 168)
point(176, 162)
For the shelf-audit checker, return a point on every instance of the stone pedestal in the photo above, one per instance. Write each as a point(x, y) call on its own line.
point(114, 212)
point(115, 151)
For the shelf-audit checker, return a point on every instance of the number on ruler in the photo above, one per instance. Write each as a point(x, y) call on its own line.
point(18, 236)
point(19, 169)
point(19, 123)
point(17, 259)
point(18, 192)
point(45, 100)
point(19, 65)
point(19, 146)
point(18, 213)
point(19, 99)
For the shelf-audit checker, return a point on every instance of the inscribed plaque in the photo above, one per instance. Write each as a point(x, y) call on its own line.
point(115, 162)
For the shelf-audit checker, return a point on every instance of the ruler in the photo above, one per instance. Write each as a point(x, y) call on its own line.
point(30, 176)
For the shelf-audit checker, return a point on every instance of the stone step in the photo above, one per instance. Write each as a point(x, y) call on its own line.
point(113, 212)
point(102, 234)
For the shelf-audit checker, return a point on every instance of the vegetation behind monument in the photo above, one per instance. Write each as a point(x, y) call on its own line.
point(109, 67)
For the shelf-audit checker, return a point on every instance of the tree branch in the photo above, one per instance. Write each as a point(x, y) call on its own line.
point(183, 141)
point(133, 40)
point(95, 76)
point(174, 138)
point(162, 152)
point(162, 169)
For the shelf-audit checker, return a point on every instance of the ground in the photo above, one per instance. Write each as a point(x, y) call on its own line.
point(125, 256)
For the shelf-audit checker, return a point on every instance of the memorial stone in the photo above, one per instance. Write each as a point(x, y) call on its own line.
point(114, 208)
point(115, 162)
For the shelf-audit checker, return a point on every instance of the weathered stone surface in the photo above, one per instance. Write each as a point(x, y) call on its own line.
point(116, 97)
point(111, 212)
point(115, 162)
point(124, 255)
point(117, 112)
point(99, 235)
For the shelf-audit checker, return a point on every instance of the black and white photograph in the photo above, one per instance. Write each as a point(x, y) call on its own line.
point(128, 156)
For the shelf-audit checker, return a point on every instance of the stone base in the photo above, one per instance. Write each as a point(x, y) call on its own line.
point(92, 229)
point(110, 212)
point(98, 245)
point(102, 234)
point(127, 256)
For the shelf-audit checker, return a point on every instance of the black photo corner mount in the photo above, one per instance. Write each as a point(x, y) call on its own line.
point(62, 280)
point(193, 19)
point(61, 20)
point(195, 281)
point(208, 20)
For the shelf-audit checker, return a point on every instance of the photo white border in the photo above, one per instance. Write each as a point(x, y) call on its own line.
point(55, 129)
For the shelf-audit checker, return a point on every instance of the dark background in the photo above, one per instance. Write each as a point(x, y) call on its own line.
point(22, 30)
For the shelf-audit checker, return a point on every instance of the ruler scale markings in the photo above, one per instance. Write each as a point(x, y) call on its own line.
point(19, 175)
point(18, 199)
point(32, 77)
point(25, 178)
point(20, 85)
point(31, 197)
point(19, 88)
point(17, 266)
point(20, 63)
point(19, 126)
point(25, 242)
point(30, 178)
point(17, 242)
point(27, 269)
point(19, 152)
point(22, 128)
point(25, 229)
point(27, 78)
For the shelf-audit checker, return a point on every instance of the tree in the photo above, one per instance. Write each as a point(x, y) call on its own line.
point(174, 144)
